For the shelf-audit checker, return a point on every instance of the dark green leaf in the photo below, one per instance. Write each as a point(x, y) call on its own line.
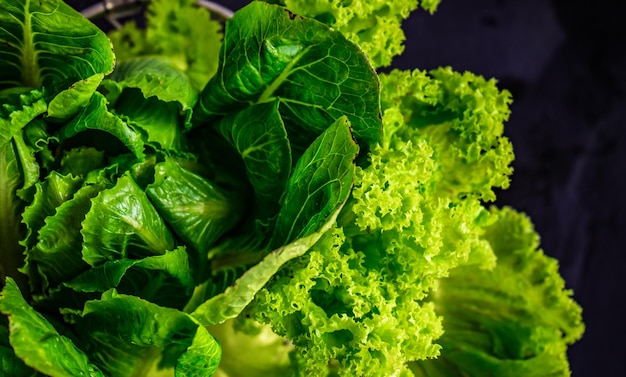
point(319, 75)
point(37, 342)
point(196, 209)
point(11, 206)
point(154, 76)
point(95, 116)
point(46, 43)
point(163, 279)
point(128, 336)
point(159, 121)
point(56, 257)
point(259, 136)
point(17, 109)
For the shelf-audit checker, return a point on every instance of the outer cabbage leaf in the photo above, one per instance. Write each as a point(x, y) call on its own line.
point(184, 34)
point(47, 44)
point(516, 319)
point(268, 52)
point(375, 25)
point(38, 343)
point(126, 335)
point(123, 223)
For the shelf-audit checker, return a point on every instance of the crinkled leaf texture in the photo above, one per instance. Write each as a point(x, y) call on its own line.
point(37, 342)
point(318, 75)
point(360, 297)
point(514, 320)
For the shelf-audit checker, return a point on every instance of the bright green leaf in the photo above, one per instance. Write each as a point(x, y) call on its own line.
point(38, 343)
point(122, 223)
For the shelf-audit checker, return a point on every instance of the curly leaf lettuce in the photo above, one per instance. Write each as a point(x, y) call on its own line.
point(492, 325)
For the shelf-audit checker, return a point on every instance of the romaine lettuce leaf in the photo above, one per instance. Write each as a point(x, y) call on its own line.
point(148, 339)
point(258, 135)
point(48, 45)
point(123, 223)
point(318, 75)
point(38, 343)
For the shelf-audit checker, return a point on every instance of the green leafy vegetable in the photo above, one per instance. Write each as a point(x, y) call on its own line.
point(48, 45)
point(269, 52)
point(37, 342)
point(150, 335)
point(259, 203)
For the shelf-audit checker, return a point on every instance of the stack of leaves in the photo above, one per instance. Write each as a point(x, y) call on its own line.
point(168, 203)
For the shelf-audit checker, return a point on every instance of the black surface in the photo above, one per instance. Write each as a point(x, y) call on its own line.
point(565, 63)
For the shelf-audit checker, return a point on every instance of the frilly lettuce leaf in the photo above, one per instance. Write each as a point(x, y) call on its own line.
point(516, 319)
point(38, 343)
point(461, 116)
point(359, 296)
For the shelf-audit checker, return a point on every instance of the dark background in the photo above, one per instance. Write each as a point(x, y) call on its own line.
point(565, 64)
